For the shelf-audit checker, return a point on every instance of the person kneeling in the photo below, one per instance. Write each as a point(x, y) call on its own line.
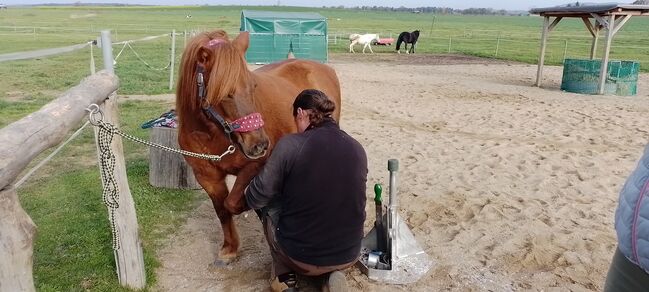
point(310, 196)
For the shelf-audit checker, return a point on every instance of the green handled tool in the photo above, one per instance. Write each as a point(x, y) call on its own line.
point(378, 224)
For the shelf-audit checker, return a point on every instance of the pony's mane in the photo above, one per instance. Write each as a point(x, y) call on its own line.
point(224, 66)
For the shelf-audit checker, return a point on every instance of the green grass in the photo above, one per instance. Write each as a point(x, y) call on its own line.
point(505, 37)
point(73, 248)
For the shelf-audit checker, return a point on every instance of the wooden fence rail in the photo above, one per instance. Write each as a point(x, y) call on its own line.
point(22, 141)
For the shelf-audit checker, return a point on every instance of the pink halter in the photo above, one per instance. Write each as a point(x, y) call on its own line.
point(213, 43)
point(248, 123)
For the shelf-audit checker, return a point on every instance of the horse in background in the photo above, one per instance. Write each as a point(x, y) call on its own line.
point(221, 105)
point(407, 38)
point(363, 39)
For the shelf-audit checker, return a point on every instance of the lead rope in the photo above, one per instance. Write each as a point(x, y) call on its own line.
point(110, 194)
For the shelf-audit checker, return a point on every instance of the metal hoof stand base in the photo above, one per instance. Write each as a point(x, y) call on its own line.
point(389, 252)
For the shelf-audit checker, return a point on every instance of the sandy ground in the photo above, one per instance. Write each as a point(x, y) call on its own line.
point(508, 187)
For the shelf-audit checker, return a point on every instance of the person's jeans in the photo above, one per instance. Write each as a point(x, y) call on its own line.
point(282, 263)
point(625, 276)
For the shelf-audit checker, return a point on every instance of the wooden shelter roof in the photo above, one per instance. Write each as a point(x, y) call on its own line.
point(588, 10)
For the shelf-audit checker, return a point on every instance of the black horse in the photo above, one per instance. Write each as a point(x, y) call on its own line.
point(408, 38)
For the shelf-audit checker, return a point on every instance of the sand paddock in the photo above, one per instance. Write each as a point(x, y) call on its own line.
point(506, 186)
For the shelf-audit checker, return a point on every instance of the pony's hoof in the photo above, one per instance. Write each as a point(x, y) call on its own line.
point(219, 263)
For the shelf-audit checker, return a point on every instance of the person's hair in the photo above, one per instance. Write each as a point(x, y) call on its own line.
point(319, 105)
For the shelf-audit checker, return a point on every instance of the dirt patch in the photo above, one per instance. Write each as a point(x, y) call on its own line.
point(505, 185)
point(14, 96)
point(411, 59)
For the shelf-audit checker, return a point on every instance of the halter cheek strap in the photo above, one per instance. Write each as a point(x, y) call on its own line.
point(244, 124)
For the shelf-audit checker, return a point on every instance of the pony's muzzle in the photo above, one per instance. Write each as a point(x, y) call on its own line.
point(259, 149)
point(254, 144)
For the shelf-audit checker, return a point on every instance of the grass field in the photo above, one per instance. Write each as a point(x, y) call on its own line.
point(72, 252)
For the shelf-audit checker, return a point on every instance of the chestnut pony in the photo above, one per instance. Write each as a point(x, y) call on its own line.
point(220, 103)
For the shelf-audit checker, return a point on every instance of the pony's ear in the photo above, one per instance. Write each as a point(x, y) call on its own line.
point(242, 41)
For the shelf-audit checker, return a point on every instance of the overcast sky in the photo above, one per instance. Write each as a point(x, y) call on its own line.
point(461, 4)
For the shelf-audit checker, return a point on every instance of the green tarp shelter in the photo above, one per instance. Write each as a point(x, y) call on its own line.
point(273, 34)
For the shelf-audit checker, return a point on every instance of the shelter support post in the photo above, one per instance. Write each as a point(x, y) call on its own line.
point(547, 28)
point(607, 50)
point(614, 24)
point(594, 32)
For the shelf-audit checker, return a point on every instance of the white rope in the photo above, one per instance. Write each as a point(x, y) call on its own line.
point(41, 53)
point(145, 63)
point(120, 53)
point(148, 38)
point(49, 157)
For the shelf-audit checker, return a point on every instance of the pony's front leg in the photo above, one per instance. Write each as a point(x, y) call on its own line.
point(235, 203)
point(351, 48)
point(406, 47)
point(214, 185)
point(370, 46)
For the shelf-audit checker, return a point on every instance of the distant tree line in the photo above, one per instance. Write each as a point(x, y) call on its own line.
point(435, 10)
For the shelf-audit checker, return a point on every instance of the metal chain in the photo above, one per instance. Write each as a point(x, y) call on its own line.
point(96, 119)
point(110, 191)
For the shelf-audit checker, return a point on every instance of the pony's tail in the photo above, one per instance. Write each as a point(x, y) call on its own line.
point(399, 41)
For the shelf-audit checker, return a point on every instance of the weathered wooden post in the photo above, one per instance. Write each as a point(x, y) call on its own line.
point(128, 257)
point(17, 231)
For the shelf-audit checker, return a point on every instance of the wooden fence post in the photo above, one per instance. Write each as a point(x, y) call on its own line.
point(173, 59)
point(497, 45)
point(128, 258)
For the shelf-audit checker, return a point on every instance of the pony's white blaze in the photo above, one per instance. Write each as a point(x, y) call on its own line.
point(363, 39)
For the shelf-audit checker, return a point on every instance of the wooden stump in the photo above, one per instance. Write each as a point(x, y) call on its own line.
point(167, 169)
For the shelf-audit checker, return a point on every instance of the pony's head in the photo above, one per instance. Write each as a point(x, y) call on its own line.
point(227, 89)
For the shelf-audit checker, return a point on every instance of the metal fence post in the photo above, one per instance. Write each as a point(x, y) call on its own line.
point(449, 44)
point(107, 51)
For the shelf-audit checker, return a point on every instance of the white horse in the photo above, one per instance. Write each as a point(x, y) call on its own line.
point(363, 39)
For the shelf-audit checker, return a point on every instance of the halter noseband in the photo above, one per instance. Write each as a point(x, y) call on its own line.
point(244, 124)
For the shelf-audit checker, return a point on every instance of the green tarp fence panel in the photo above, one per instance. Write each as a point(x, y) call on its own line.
point(273, 34)
point(582, 76)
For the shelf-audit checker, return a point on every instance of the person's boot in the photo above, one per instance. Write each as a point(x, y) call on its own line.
point(284, 283)
point(336, 283)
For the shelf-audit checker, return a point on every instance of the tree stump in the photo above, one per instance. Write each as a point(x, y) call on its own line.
point(167, 169)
